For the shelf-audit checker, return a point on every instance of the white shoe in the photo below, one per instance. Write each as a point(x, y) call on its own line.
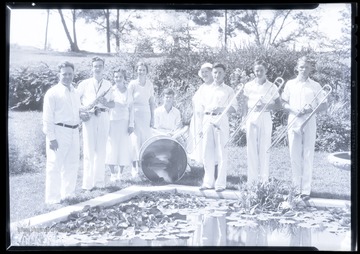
point(118, 176)
point(134, 172)
point(113, 178)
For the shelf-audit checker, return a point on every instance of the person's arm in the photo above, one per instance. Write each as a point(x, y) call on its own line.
point(152, 106)
point(131, 118)
point(156, 119)
point(49, 121)
point(178, 121)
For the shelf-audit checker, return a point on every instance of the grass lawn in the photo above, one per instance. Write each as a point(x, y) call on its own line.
point(26, 194)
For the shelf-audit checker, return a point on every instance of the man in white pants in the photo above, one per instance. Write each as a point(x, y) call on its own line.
point(299, 99)
point(95, 98)
point(216, 129)
point(259, 93)
point(60, 125)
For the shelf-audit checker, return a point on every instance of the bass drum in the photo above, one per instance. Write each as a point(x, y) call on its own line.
point(163, 159)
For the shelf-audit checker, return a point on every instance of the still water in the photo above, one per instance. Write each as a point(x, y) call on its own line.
point(224, 229)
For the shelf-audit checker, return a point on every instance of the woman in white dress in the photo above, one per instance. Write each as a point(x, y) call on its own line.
point(121, 126)
point(194, 146)
point(142, 90)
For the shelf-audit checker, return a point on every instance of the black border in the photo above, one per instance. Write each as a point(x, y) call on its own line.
point(192, 5)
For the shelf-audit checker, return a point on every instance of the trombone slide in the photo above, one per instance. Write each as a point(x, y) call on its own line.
point(299, 129)
point(254, 115)
point(228, 106)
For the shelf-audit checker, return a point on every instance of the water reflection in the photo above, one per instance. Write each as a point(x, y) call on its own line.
point(214, 228)
point(210, 229)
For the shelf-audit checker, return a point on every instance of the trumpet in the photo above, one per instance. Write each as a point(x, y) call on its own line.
point(306, 108)
point(279, 82)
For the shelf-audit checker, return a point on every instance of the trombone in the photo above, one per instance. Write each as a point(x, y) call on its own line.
point(279, 82)
point(303, 111)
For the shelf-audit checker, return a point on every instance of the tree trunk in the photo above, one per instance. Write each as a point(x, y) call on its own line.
point(225, 32)
point(107, 16)
point(74, 28)
point(46, 30)
point(73, 46)
point(117, 37)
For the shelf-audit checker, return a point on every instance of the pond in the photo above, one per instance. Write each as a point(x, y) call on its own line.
point(169, 219)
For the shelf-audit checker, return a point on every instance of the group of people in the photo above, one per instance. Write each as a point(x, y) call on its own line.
point(302, 98)
point(117, 118)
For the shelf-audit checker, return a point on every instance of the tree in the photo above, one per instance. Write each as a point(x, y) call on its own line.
point(117, 28)
point(46, 30)
point(73, 44)
point(272, 27)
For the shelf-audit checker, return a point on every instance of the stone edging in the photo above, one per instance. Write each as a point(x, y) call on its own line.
point(130, 192)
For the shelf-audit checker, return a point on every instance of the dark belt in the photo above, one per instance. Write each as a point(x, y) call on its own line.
point(213, 114)
point(67, 126)
point(101, 109)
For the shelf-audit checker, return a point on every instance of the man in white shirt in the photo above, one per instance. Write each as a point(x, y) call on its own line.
point(60, 125)
point(167, 118)
point(95, 94)
point(300, 100)
point(216, 129)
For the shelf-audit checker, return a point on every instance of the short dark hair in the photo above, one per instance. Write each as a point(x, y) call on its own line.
point(96, 58)
point(260, 62)
point(142, 64)
point(307, 59)
point(121, 71)
point(168, 91)
point(66, 64)
point(219, 65)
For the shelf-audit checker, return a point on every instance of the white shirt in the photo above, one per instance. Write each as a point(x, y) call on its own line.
point(123, 106)
point(90, 89)
point(254, 91)
point(217, 96)
point(61, 105)
point(167, 121)
point(299, 93)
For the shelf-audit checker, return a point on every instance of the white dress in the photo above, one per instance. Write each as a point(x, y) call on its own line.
point(121, 118)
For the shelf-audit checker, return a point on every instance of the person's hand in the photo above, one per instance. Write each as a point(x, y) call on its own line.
point(306, 110)
point(151, 123)
point(54, 145)
point(217, 110)
point(103, 101)
point(84, 116)
point(130, 130)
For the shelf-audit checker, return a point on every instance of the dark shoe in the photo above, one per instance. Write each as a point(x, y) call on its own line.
point(205, 188)
point(305, 197)
point(219, 189)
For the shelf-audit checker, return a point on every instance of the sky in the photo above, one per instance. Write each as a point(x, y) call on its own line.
point(27, 28)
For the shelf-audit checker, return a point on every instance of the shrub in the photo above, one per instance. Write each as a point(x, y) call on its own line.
point(334, 129)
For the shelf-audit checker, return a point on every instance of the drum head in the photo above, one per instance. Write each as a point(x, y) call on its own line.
point(163, 159)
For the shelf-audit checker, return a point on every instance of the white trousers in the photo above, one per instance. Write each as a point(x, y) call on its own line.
point(302, 146)
point(214, 150)
point(62, 165)
point(95, 135)
point(258, 136)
